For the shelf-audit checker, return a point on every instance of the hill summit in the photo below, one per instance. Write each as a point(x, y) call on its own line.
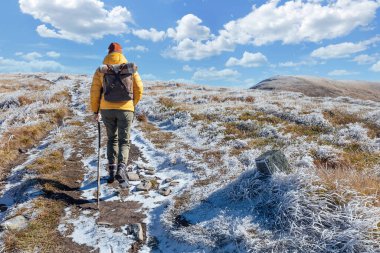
point(322, 87)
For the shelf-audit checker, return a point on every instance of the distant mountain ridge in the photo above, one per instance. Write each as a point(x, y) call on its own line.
point(322, 87)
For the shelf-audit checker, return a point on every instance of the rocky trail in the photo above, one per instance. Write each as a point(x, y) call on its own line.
point(124, 216)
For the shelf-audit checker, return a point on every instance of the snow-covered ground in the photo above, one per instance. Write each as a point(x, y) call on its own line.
point(207, 139)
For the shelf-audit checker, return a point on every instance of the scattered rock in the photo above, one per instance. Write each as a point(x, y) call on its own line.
point(173, 183)
point(3, 207)
point(144, 186)
point(271, 161)
point(168, 180)
point(145, 178)
point(22, 150)
point(150, 169)
point(137, 231)
point(140, 167)
point(165, 191)
point(16, 223)
point(150, 172)
point(133, 176)
point(104, 223)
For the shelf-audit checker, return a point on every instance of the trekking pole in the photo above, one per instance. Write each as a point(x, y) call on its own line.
point(98, 190)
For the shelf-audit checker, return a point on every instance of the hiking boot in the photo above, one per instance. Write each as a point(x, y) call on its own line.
point(111, 171)
point(120, 173)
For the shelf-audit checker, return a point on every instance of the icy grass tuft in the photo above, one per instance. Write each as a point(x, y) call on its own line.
point(289, 213)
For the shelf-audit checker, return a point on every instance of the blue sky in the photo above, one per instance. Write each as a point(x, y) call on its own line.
point(229, 43)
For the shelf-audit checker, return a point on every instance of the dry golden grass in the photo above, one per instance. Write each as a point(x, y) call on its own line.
point(298, 130)
point(203, 117)
point(206, 181)
point(49, 163)
point(260, 117)
point(342, 117)
point(222, 99)
point(360, 182)
point(41, 235)
point(352, 157)
point(235, 131)
point(9, 85)
point(181, 201)
point(56, 115)
point(155, 135)
point(142, 118)
point(167, 102)
point(24, 100)
point(60, 96)
point(212, 156)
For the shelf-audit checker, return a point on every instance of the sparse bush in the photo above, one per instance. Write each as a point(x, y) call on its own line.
point(167, 102)
point(24, 100)
point(142, 117)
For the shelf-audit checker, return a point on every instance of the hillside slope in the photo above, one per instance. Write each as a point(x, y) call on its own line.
point(201, 143)
point(322, 87)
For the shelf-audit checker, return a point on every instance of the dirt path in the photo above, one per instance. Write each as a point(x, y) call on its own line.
point(72, 187)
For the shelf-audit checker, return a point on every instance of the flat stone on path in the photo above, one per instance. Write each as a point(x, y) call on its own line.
point(168, 180)
point(16, 223)
point(137, 231)
point(133, 176)
point(174, 183)
point(165, 191)
point(150, 172)
point(144, 186)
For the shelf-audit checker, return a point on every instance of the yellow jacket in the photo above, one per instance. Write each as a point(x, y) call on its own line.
point(97, 99)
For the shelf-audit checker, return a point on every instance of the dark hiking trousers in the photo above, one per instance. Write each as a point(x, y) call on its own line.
point(118, 124)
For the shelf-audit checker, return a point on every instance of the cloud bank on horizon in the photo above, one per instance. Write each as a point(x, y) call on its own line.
point(208, 41)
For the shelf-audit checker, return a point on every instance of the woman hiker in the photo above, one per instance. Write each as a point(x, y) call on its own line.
point(116, 115)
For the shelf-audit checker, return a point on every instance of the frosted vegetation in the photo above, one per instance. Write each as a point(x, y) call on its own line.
point(330, 201)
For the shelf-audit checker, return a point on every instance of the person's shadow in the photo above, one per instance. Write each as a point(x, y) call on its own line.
point(33, 188)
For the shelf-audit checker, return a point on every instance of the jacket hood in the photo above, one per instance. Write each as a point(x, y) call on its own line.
point(114, 58)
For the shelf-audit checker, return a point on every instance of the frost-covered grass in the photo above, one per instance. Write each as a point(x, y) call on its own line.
point(328, 203)
point(207, 140)
point(30, 107)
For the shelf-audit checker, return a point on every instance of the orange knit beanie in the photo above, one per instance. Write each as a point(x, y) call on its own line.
point(114, 47)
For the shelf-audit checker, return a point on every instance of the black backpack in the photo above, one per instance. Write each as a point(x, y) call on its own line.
point(118, 81)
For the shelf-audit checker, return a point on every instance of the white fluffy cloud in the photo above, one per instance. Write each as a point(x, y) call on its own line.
point(78, 20)
point(214, 74)
point(343, 50)
point(297, 21)
point(189, 27)
point(29, 56)
point(289, 22)
point(297, 64)
point(364, 59)
point(248, 60)
point(151, 34)
point(11, 65)
point(137, 48)
point(53, 54)
point(341, 72)
point(187, 68)
point(376, 67)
